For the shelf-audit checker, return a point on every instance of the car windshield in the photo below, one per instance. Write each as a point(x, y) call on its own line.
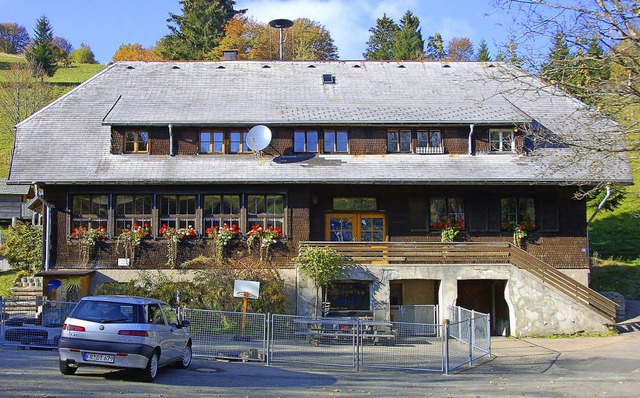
point(106, 312)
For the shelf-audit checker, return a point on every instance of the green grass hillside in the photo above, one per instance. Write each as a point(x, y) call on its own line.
point(64, 80)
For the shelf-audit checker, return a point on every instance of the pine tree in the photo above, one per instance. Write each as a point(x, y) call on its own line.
point(512, 55)
point(42, 54)
point(408, 42)
point(483, 52)
point(435, 48)
point(380, 44)
point(198, 30)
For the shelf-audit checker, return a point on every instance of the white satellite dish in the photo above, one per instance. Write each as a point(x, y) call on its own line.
point(259, 137)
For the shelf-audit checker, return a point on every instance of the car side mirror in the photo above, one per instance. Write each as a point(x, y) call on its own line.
point(185, 324)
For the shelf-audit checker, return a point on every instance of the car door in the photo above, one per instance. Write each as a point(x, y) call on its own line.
point(178, 334)
point(158, 324)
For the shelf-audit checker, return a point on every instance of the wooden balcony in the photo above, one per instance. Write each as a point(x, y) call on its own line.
point(406, 253)
point(418, 252)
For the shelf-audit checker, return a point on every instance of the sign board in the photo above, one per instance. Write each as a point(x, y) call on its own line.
point(123, 262)
point(250, 287)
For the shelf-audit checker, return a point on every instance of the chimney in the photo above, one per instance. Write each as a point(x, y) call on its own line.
point(230, 55)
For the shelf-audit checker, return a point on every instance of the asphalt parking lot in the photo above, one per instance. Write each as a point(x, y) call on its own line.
point(580, 367)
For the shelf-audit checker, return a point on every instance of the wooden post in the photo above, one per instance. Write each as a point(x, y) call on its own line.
point(245, 300)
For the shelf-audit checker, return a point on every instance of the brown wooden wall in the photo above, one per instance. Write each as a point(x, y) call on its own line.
point(362, 140)
point(560, 239)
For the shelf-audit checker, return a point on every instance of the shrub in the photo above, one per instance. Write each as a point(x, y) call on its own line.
point(23, 247)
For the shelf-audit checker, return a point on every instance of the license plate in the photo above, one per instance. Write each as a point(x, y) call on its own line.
point(89, 357)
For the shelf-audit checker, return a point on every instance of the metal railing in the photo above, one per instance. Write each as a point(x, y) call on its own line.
point(354, 343)
point(32, 323)
point(469, 336)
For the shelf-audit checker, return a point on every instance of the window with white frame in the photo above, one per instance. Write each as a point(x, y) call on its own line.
point(444, 210)
point(501, 140)
point(305, 141)
point(336, 141)
point(429, 141)
point(515, 210)
point(399, 141)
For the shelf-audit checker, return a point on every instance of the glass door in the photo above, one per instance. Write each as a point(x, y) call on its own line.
point(352, 227)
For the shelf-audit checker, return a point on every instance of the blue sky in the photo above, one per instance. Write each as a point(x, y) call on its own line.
point(106, 24)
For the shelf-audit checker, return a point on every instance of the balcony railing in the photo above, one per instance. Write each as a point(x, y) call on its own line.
point(469, 253)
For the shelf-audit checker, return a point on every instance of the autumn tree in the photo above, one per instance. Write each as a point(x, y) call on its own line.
point(460, 49)
point(305, 40)
point(483, 52)
point(64, 45)
point(82, 55)
point(42, 54)
point(381, 40)
point(407, 42)
point(435, 48)
point(198, 30)
point(605, 72)
point(135, 52)
point(13, 38)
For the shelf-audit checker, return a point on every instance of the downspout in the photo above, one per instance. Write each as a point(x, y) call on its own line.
point(600, 206)
point(47, 222)
point(471, 126)
point(171, 140)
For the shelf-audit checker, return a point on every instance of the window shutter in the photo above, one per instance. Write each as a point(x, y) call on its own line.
point(493, 214)
point(418, 214)
point(549, 214)
point(476, 214)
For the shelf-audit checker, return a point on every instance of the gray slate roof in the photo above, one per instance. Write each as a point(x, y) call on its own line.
point(69, 141)
point(12, 189)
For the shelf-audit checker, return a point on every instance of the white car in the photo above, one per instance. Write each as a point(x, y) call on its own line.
point(123, 332)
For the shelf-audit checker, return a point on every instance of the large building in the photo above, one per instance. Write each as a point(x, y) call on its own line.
point(371, 158)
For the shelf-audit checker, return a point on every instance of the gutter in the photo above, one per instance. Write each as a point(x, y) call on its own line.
point(600, 206)
point(171, 153)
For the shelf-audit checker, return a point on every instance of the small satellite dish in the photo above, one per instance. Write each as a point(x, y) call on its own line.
point(259, 137)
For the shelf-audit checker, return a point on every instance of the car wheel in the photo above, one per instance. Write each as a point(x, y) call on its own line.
point(186, 358)
point(67, 370)
point(149, 373)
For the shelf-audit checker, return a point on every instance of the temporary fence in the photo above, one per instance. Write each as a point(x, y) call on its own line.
point(32, 323)
point(356, 343)
point(469, 336)
point(229, 335)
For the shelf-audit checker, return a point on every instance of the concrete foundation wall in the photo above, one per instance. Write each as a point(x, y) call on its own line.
point(534, 308)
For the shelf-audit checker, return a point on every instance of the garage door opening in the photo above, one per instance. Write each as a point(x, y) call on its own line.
point(414, 300)
point(486, 296)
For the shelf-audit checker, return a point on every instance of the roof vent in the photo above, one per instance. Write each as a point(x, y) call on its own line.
point(491, 66)
point(130, 67)
point(446, 66)
point(401, 66)
point(311, 66)
point(266, 67)
point(356, 66)
point(221, 67)
point(328, 79)
point(175, 67)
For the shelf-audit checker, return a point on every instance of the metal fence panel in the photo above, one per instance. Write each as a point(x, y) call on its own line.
point(230, 335)
point(321, 341)
point(401, 345)
point(415, 313)
point(469, 336)
point(32, 323)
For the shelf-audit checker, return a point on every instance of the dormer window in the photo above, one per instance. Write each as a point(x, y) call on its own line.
point(501, 140)
point(136, 142)
point(399, 141)
point(211, 142)
point(429, 142)
point(305, 141)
